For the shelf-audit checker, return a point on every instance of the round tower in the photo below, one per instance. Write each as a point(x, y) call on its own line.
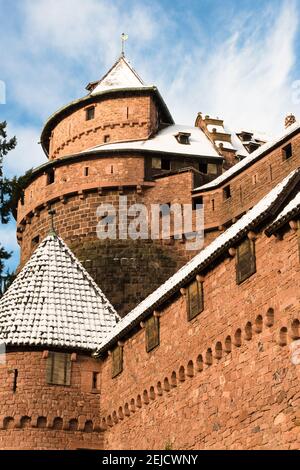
point(118, 140)
point(52, 318)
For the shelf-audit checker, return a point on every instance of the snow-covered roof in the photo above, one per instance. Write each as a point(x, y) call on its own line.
point(121, 75)
point(290, 209)
point(201, 260)
point(166, 142)
point(249, 159)
point(55, 302)
point(224, 144)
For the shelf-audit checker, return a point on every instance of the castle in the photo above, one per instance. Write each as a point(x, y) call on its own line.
point(126, 344)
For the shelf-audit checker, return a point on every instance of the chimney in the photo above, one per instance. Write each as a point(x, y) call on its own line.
point(289, 120)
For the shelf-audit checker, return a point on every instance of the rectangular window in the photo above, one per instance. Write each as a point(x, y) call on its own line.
point(86, 171)
point(152, 333)
point(35, 241)
point(58, 370)
point(117, 361)
point(106, 138)
point(197, 201)
point(95, 381)
point(227, 193)
point(156, 163)
point(287, 152)
point(245, 260)
point(195, 301)
point(90, 113)
point(165, 164)
point(50, 177)
point(203, 167)
point(212, 169)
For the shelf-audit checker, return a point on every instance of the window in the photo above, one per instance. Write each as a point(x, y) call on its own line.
point(117, 361)
point(106, 138)
point(90, 113)
point(183, 138)
point(95, 381)
point(245, 260)
point(227, 193)
point(197, 201)
point(152, 333)
point(156, 163)
point(58, 371)
point(165, 164)
point(35, 241)
point(287, 152)
point(212, 169)
point(195, 304)
point(50, 177)
point(86, 171)
point(203, 167)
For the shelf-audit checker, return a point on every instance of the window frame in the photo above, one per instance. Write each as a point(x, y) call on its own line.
point(240, 276)
point(88, 116)
point(152, 340)
point(116, 361)
point(200, 300)
point(51, 372)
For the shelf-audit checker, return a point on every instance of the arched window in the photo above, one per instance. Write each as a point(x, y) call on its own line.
point(200, 363)
point(248, 331)
point(208, 357)
point(218, 350)
point(190, 369)
point(270, 317)
point(181, 374)
point(238, 338)
point(283, 336)
point(259, 324)
point(173, 379)
point(228, 344)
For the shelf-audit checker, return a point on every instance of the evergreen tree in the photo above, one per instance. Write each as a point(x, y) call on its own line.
point(5, 190)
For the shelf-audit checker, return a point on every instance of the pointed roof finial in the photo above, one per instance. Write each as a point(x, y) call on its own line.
point(52, 213)
point(124, 38)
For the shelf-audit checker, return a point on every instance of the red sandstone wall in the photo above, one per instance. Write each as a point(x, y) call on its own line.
point(244, 399)
point(20, 426)
point(124, 118)
point(245, 193)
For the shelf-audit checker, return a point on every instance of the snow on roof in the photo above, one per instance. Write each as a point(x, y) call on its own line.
point(237, 143)
point(231, 236)
point(224, 144)
point(249, 159)
point(165, 141)
point(55, 302)
point(121, 75)
point(219, 129)
point(292, 207)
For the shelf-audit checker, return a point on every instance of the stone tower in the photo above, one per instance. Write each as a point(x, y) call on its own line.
point(119, 139)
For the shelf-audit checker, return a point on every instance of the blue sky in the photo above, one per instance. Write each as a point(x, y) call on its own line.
point(237, 59)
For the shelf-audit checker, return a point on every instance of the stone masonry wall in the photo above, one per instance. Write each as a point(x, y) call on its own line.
point(116, 119)
point(42, 416)
point(250, 186)
point(224, 380)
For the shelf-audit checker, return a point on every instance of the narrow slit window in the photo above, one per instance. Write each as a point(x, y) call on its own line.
point(227, 193)
point(195, 301)
point(287, 152)
point(86, 171)
point(58, 371)
point(95, 381)
point(152, 333)
point(50, 177)
point(245, 260)
point(106, 138)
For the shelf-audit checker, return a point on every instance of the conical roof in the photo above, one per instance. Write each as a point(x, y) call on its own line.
point(121, 75)
point(55, 302)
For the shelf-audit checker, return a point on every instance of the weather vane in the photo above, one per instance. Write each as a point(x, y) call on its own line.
point(124, 38)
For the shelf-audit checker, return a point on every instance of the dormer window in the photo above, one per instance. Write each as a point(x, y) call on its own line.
point(90, 113)
point(183, 138)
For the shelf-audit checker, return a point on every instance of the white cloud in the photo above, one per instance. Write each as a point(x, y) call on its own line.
point(244, 79)
point(27, 154)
